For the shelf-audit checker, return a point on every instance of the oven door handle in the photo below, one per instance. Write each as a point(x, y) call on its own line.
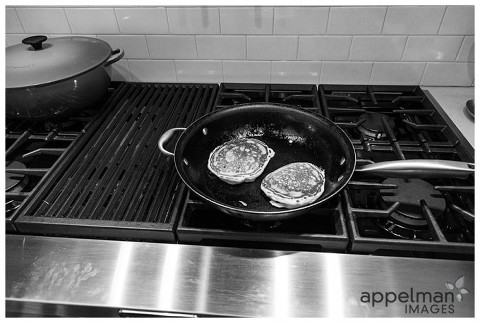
point(419, 168)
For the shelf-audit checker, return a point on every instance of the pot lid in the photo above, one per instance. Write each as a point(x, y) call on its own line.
point(39, 61)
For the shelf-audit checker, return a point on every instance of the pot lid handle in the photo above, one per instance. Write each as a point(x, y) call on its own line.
point(35, 41)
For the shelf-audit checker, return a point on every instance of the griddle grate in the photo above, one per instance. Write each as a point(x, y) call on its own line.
point(120, 185)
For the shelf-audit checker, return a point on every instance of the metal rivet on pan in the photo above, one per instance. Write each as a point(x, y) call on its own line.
point(204, 131)
point(342, 161)
point(340, 178)
point(185, 161)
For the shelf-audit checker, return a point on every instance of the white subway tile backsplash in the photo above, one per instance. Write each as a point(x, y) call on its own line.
point(135, 46)
point(15, 39)
point(413, 20)
point(356, 20)
point(397, 73)
point(279, 44)
point(300, 20)
point(152, 70)
point(43, 20)
point(12, 22)
point(295, 72)
point(432, 48)
point(324, 48)
point(204, 20)
point(92, 20)
point(246, 20)
point(199, 71)
point(142, 20)
point(172, 47)
point(345, 72)
point(119, 71)
point(467, 50)
point(221, 47)
point(377, 48)
point(272, 47)
point(246, 71)
point(448, 74)
point(458, 20)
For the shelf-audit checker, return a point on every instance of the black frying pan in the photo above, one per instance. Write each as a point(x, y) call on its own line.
point(294, 134)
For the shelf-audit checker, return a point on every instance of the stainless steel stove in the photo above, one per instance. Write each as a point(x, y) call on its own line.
point(89, 196)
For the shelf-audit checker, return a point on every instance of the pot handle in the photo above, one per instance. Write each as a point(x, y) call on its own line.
point(116, 55)
point(166, 137)
point(419, 168)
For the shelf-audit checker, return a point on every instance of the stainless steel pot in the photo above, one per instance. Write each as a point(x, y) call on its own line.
point(51, 77)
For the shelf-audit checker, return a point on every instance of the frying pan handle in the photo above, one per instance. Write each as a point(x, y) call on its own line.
point(166, 137)
point(419, 168)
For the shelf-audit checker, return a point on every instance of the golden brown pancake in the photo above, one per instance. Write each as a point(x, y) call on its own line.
point(240, 160)
point(294, 185)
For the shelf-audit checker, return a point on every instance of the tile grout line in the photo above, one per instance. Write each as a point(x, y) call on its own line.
point(68, 21)
point(129, 70)
point(223, 77)
point(371, 73)
point(320, 72)
point(349, 58)
point(404, 48)
point(20, 20)
point(148, 47)
point(298, 47)
point(116, 20)
point(175, 67)
point(219, 21)
point(384, 19)
point(328, 20)
point(196, 48)
point(168, 22)
point(459, 49)
point(423, 73)
point(441, 21)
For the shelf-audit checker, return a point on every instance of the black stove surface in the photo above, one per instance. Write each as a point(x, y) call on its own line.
point(385, 123)
point(107, 189)
point(36, 149)
point(119, 185)
point(397, 215)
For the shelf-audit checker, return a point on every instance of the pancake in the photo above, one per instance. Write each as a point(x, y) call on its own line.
point(240, 160)
point(294, 185)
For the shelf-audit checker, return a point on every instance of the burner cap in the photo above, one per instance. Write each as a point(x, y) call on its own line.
point(407, 221)
point(409, 193)
point(373, 126)
point(12, 180)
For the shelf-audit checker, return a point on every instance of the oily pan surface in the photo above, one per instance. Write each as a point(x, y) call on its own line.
point(294, 135)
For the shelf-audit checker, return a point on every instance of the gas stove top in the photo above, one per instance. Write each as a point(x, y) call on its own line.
point(36, 151)
point(102, 175)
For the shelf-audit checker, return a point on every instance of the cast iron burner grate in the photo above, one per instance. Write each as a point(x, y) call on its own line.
point(321, 229)
point(120, 185)
point(299, 95)
point(34, 151)
point(384, 216)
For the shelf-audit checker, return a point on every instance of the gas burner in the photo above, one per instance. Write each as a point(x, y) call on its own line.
point(373, 126)
point(407, 221)
point(70, 122)
point(11, 206)
point(15, 182)
point(261, 226)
